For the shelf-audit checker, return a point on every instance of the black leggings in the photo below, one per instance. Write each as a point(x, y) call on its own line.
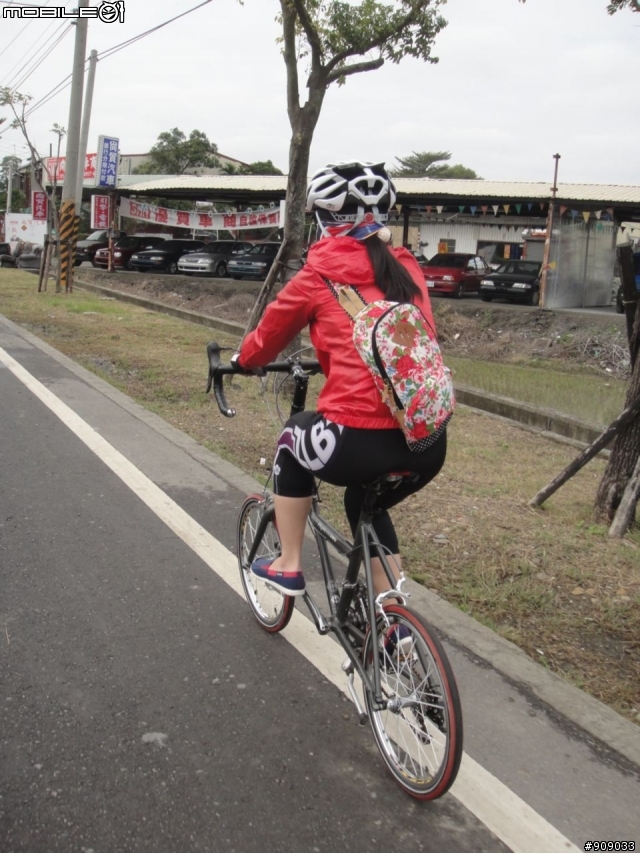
point(311, 446)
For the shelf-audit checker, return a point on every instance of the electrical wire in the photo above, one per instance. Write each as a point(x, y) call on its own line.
point(105, 54)
point(37, 64)
point(111, 50)
point(63, 84)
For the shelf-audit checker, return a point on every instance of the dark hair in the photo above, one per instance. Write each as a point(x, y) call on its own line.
point(390, 276)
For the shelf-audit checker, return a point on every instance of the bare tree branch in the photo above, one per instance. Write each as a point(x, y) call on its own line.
point(356, 68)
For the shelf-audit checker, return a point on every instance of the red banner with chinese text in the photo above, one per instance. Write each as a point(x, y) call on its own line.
point(39, 206)
point(100, 212)
point(267, 218)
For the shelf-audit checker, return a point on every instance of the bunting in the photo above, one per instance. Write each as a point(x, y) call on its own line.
point(506, 208)
point(484, 208)
point(473, 209)
point(461, 208)
point(563, 210)
point(439, 208)
point(586, 215)
point(518, 208)
point(496, 208)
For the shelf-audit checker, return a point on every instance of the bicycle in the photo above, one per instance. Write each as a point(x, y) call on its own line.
point(410, 696)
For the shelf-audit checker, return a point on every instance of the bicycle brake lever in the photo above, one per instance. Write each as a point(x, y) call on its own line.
point(215, 380)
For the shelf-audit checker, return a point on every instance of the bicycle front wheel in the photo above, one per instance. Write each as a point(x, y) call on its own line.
point(419, 730)
point(271, 608)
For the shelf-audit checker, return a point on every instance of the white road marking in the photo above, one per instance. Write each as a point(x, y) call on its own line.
point(496, 806)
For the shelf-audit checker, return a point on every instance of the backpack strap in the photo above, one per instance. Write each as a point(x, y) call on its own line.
point(348, 297)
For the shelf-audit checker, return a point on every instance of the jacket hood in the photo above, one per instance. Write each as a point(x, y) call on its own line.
point(346, 260)
point(341, 259)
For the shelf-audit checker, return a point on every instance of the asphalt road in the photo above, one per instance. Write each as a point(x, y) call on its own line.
point(142, 709)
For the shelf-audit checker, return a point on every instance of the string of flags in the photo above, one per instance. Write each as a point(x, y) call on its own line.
point(606, 214)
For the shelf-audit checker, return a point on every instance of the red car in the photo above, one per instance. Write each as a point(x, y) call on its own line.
point(455, 273)
point(123, 249)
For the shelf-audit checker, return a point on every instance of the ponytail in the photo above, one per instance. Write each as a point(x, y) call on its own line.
point(389, 274)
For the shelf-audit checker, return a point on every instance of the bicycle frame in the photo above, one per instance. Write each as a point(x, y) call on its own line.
point(358, 552)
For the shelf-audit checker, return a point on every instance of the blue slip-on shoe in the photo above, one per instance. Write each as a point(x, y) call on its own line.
point(289, 583)
point(398, 640)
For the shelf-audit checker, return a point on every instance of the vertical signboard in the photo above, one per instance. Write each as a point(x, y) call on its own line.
point(107, 165)
point(39, 206)
point(100, 212)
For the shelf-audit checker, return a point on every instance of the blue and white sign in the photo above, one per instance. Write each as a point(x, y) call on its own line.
point(107, 161)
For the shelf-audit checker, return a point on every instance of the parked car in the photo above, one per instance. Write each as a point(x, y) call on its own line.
point(517, 281)
point(255, 263)
point(164, 257)
point(420, 258)
point(123, 249)
point(455, 273)
point(87, 248)
point(213, 258)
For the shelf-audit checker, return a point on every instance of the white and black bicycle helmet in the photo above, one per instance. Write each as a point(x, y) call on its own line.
point(351, 198)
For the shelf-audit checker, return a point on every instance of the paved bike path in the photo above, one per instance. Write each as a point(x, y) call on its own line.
point(158, 654)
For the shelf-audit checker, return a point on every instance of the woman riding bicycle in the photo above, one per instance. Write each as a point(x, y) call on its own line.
point(353, 438)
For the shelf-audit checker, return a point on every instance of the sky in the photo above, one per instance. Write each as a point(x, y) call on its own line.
point(514, 85)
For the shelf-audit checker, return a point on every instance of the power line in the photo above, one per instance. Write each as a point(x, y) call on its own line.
point(107, 53)
point(16, 39)
point(32, 59)
point(63, 84)
point(111, 50)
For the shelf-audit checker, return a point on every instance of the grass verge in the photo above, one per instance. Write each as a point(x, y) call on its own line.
point(548, 580)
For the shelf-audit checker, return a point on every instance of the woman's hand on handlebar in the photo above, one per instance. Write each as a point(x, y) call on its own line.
point(234, 362)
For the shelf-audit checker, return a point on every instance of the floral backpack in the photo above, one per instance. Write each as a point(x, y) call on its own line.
point(398, 345)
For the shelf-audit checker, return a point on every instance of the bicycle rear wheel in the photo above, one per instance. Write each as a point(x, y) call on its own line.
point(419, 733)
point(271, 608)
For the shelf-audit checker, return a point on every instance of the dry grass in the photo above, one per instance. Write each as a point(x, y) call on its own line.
point(548, 580)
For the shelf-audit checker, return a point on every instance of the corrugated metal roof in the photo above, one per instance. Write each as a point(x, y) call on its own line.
point(525, 190)
point(223, 183)
point(500, 191)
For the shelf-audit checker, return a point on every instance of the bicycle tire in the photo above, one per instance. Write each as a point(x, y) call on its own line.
point(271, 608)
point(420, 743)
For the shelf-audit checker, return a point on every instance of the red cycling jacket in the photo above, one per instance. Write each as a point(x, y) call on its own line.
point(349, 395)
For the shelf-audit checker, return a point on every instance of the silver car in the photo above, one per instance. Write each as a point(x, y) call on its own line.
point(212, 258)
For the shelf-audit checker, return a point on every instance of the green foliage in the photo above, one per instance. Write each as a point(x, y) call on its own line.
point(334, 31)
point(429, 164)
point(617, 5)
point(18, 201)
point(262, 167)
point(8, 163)
point(174, 153)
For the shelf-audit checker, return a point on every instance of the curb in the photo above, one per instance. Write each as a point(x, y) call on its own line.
point(546, 421)
point(603, 727)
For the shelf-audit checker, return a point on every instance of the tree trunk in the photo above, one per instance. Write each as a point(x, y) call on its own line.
point(627, 509)
point(626, 448)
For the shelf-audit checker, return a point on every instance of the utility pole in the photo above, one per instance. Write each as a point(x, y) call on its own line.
point(547, 243)
point(86, 122)
point(68, 218)
point(9, 186)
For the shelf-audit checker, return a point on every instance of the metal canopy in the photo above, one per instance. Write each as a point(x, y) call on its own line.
point(241, 191)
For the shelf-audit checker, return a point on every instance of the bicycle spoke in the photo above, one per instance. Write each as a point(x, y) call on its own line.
point(271, 608)
point(419, 731)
